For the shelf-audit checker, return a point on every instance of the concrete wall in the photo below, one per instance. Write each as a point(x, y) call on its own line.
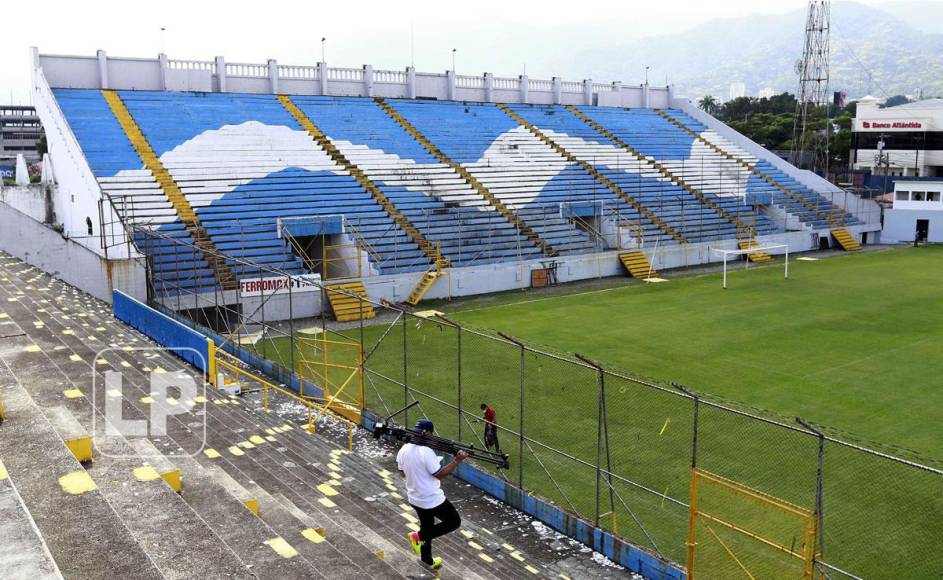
point(161, 73)
point(490, 278)
point(33, 200)
point(77, 194)
point(41, 246)
point(900, 225)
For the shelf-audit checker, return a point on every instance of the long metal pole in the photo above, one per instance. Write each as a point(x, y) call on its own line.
point(819, 496)
point(692, 499)
point(405, 377)
point(458, 330)
point(520, 430)
point(291, 325)
point(520, 477)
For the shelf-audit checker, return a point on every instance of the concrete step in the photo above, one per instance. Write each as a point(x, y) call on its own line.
point(23, 552)
point(83, 532)
point(177, 541)
point(362, 520)
point(134, 373)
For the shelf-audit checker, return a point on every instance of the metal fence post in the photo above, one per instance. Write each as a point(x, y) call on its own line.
point(819, 550)
point(520, 448)
point(600, 418)
point(291, 326)
point(405, 376)
point(692, 500)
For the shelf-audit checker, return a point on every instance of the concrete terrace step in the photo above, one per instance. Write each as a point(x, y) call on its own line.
point(176, 540)
point(23, 552)
point(264, 556)
point(83, 532)
point(285, 467)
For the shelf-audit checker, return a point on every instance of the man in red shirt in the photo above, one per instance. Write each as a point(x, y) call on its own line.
point(491, 428)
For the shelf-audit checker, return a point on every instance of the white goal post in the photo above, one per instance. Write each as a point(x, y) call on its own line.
point(739, 252)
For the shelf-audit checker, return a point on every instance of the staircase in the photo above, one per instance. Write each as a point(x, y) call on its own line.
point(470, 179)
point(664, 171)
point(846, 240)
point(758, 256)
point(178, 200)
point(346, 304)
point(425, 283)
point(637, 265)
point(427, 247)
point(746, 165)
point(598, 176)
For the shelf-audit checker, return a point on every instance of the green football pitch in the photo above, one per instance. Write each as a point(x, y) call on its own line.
point(849, 342)
point(852, 342)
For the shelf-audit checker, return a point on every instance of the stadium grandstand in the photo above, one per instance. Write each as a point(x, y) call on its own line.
point(236, 226)
point(395, 178)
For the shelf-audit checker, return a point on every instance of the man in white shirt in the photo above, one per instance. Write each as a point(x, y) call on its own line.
point(420, 466)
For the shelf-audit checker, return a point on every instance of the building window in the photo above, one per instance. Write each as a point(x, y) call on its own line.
point(933, 196)
point(916, 196)
point(903, 195)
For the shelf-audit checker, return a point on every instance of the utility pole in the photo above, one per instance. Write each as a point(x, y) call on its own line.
point(813, 71)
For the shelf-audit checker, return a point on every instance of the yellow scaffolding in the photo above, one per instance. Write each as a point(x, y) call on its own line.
point(233, 369)
point(756, 525)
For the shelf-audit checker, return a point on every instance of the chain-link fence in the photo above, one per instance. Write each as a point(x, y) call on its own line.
point(687, 477)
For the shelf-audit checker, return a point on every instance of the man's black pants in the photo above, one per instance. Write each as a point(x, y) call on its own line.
point(449, 521)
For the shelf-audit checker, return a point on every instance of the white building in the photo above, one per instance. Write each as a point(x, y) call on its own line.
point(737, 90)
point(766, 93)
point(906, 139)
point(917, 213)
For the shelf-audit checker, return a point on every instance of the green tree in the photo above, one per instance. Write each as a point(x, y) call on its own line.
point(708, 104)
point(896, 100)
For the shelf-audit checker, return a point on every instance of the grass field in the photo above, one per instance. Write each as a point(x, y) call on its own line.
point(848, 342)
point(851, 342)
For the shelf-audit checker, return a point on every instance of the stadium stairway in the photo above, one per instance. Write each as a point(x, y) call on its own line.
point(796, 198)
point(345, 304)
point(470, 179)
point(322, 512)
point(846, 240)
point(612, 186)
point(178, 200)
point(446, 209)
point(728, 213)
point(758, 255)
point(517, 169)
point(638, 265)
point(428, 248)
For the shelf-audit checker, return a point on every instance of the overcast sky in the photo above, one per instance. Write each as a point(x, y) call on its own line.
point(499, 36)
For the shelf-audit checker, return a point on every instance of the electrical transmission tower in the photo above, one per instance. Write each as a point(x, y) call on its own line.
point(809, 144)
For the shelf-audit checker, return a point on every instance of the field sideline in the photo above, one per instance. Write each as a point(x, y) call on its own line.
point(851, 342)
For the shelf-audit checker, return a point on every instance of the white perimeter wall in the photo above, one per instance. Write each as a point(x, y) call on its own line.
point(162, 74)
point(502, 277)
point(77, 193)
point(43, 247)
